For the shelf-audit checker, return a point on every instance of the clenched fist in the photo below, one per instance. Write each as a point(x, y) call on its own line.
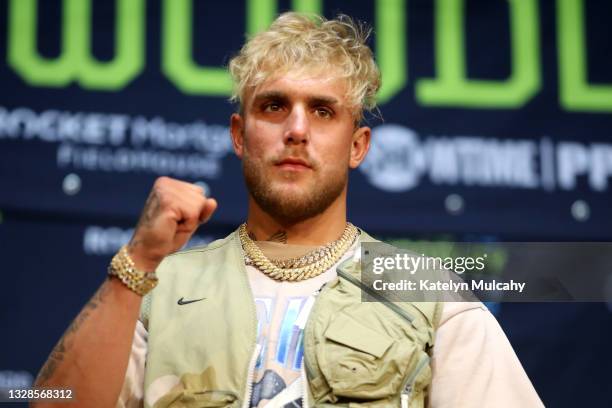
point(172, 213)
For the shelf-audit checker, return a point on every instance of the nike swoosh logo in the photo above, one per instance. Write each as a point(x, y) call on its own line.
point(181, 301)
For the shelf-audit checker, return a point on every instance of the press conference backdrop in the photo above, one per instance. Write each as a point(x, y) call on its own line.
point(496, 125)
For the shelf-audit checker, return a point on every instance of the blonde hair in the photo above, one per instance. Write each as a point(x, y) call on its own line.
point(299, 42)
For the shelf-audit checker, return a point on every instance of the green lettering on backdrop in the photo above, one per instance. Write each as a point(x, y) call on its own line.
point(575, 93)
point(177, 62)
point(260, 14)
point(452, 88)
point(75, 62)
point(308, 6)
point(391, 46)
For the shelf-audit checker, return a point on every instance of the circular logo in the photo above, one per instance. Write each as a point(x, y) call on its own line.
point(395, 162)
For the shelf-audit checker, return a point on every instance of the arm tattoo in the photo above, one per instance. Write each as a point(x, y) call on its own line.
point(150, 210)
point(64, 344)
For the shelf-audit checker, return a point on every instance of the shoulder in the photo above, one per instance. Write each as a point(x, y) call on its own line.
point(214, 246)
point(462, 311)
point(469, 328)
point(467, 325)
point(198, 255)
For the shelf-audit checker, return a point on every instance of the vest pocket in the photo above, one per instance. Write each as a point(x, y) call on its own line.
point(360, 363)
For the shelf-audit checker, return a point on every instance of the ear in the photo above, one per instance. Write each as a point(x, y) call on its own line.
point(237, 133)
point(360, 146)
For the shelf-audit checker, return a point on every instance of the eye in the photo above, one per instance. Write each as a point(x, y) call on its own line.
point(324, 113)
point(272, 107)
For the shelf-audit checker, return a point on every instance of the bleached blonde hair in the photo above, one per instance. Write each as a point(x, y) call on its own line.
point(305, 43)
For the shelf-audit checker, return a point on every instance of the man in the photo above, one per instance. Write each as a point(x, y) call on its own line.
point(271, 315)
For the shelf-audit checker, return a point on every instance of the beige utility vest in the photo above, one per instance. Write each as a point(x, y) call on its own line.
point(203, 354)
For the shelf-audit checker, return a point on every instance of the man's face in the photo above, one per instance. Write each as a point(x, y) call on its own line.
point(297, 139)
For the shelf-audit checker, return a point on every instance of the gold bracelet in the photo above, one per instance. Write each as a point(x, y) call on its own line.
point(122, 266)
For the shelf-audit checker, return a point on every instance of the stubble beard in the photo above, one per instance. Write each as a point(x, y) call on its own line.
point(291, 208)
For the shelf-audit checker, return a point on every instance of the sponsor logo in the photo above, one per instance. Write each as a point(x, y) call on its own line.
point(399, 160)
point(181, 301)
point(395, 161)
point(117, 143)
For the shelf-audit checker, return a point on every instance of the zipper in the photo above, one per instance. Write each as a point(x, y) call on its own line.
point(256, 348)
point(395, 308)
point(405, 395)
point(250, 373)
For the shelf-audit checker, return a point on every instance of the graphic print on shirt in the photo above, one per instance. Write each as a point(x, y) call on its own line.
point(280, 360)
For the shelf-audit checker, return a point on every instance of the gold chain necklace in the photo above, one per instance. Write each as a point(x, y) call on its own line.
point(308, 266)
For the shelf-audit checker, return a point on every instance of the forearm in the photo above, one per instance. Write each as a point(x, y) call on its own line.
point(92, 356)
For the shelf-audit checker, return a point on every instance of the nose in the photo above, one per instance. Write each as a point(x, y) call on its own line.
point(297, 130)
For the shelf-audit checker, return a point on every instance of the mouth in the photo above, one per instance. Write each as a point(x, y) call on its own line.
point(293, 164)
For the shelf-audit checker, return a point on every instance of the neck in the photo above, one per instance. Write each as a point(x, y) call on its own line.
point(318, 230)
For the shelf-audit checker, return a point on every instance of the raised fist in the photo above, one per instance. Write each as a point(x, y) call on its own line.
point(172, 213)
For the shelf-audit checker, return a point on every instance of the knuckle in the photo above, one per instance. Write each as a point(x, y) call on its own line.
point(161, 180)
point(158, 190)
point(165, 182)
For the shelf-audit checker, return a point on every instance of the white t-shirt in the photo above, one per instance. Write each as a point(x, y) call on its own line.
point(473, 363)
